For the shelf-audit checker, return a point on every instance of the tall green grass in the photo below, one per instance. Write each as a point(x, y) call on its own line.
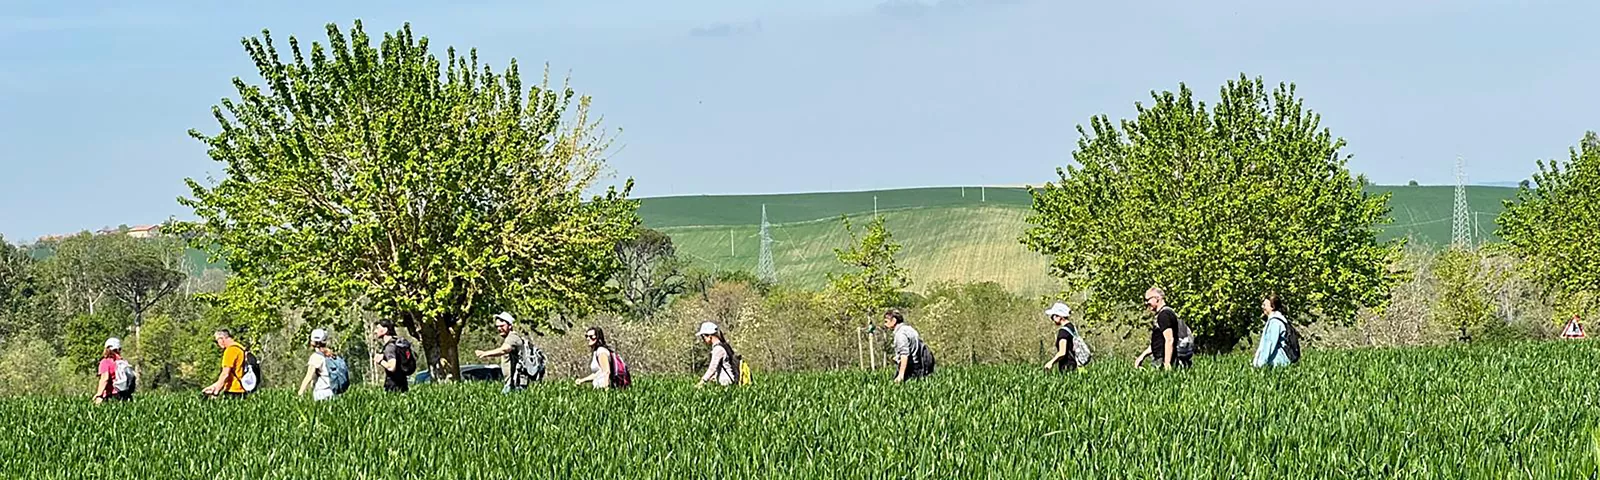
point(1522, 411)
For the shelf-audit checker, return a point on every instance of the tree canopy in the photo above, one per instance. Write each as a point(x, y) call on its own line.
point(1219, 205)
point(431, 192)
point(873, 280)
point(1552, 222)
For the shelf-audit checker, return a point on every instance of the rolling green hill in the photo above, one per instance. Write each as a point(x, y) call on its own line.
point(950, 233)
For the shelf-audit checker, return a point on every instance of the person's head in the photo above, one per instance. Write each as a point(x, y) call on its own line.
point(383, 330)
point(1271, 304)
point(1059, 313)
point(113, 348)
point(1155, 298)
point(319, 339)
point(709, 333)
point(595, 337)
point(893, 318)
point(223, 337)
point(503, 322)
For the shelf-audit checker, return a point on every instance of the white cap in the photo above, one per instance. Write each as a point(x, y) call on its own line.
point(708, 328)
point(113, 344)
point(1059, 310)
point(504, 317)
point(319, 335)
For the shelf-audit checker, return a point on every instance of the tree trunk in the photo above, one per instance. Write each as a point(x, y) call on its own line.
point(440, 346)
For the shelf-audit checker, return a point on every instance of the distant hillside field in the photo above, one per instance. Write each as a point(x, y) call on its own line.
point(953, 233)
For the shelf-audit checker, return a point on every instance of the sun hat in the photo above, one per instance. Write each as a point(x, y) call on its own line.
point(113, 344)
point(708, 328)
point(1059, 310)
point(505, 318)
point(319, 335)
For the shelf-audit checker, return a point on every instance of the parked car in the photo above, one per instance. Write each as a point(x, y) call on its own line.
point(469, 373)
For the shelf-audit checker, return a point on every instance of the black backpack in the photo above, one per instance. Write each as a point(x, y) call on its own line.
point(405, 362)
point(1289, 342)
point(922, 361)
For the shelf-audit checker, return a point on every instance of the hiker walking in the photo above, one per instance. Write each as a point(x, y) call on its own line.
point(1275, 349)
point(397, 361)
point(1171, 342)
point(1071, 351)
point(522, 363)
point(235, 381)
point(602, 365)
point(327, 374)
point(723, 368)
point(912, 357)
point(117, 377)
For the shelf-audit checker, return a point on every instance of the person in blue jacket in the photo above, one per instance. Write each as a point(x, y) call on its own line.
point(1270, 351)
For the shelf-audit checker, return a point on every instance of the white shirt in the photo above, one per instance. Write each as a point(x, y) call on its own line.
point(322, 387)
point(600, 381)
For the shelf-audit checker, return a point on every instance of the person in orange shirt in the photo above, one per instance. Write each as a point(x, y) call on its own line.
point(227, 384)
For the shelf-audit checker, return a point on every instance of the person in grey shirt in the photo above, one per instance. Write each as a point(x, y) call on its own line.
point(907, 345)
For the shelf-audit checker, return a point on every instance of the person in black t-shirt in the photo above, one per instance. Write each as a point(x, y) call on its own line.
point(1064, 360)
point(1165, 333)
point(394, 380)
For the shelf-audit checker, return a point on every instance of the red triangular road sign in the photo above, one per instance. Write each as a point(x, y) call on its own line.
point(1573, 330)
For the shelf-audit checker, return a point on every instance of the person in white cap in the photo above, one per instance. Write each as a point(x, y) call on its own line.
point(521, 362)
point(116, 375)
point(1063, 361)
point(326, 374)
point(722, 369)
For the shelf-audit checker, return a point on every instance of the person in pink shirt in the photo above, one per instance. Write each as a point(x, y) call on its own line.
point(116, 375)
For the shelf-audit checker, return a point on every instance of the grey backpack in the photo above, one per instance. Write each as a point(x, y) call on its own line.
point(1080, 348)
point(124, 380)
point(530, 360)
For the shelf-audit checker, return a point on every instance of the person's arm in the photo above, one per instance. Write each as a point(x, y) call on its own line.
point(311, 375)
point(1061, 353)
point(102, 387)
point(387, 360)
point(1166, 362)
point(900, 375)
point(1139, 362)
point(492, 353)
point(596, 357)
point(221, 383)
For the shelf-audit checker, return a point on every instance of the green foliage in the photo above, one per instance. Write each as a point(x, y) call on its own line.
point(1553, 224)
point(20, 289)
point(86, 335)
point(1461, 412)
point(434, 192)
point(1463, 304)
point(29, 366)
point(1219, 205)
point(962, 322)
point(873, 281)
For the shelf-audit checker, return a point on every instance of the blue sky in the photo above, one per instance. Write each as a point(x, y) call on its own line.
point(754, 96)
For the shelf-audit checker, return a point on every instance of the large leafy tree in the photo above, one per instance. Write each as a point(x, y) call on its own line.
point(872, 280)
point(1553, 222)
point(1219, 205)
point(432, 192)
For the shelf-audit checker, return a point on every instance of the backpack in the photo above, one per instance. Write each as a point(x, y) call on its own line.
point(921, 362)
point(530, 360)
point(1289, 341)
point(124, 380)
point(250, 380)
point(1080, 348)
point(1184, 337)
point(620, 378)
point(405, 362)
point(338, 373)
point(736, 368)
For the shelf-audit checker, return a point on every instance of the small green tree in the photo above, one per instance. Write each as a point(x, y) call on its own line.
point(1552, 223)
point(873, 280)
point(430, 191)
point(1218, 205)
point(1462, 302)
point(651, 273)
